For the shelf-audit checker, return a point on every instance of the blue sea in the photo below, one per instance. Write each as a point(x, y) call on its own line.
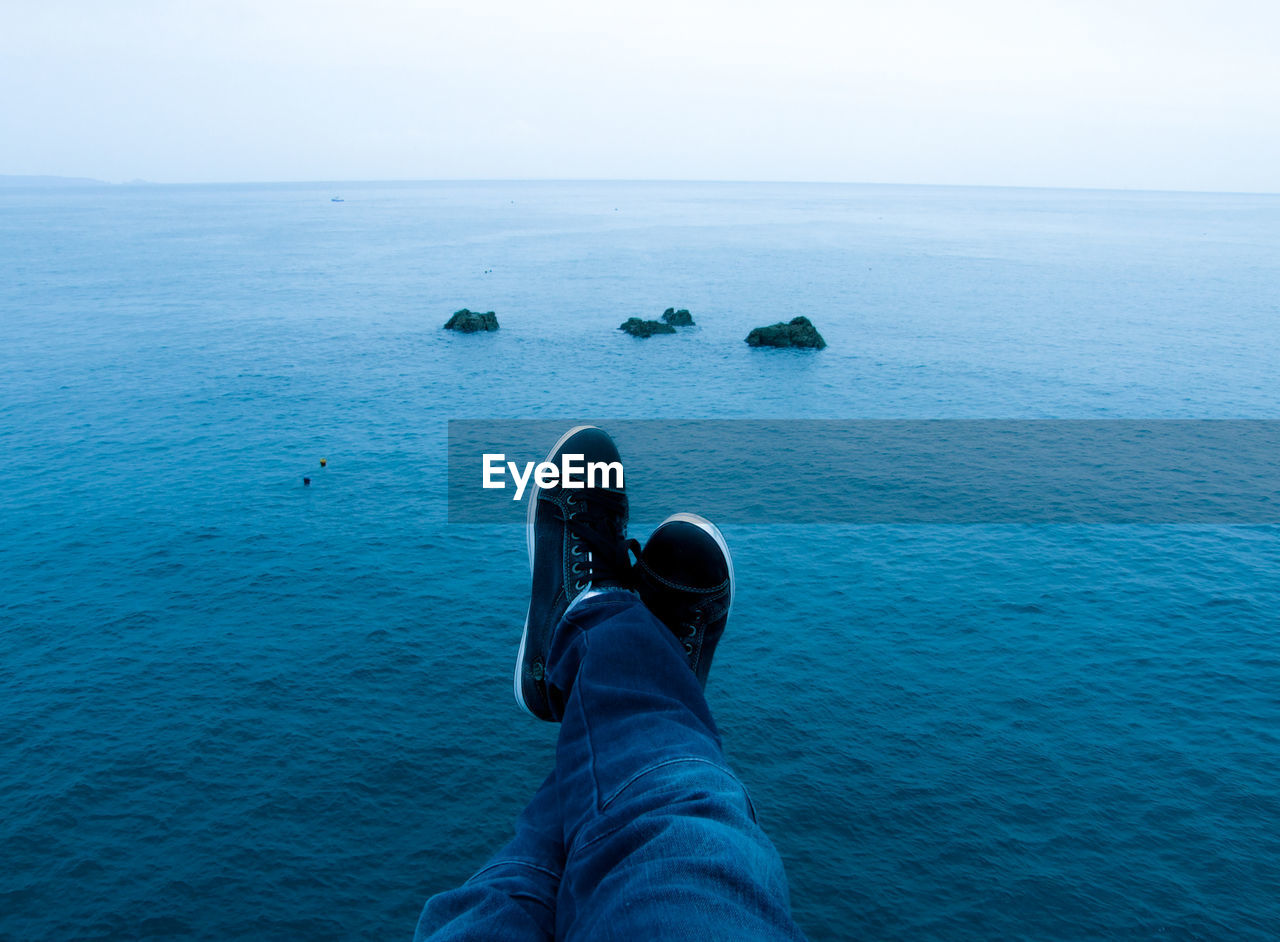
point(238, 707)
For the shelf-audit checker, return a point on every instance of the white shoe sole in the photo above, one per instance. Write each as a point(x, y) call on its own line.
point(528, 529)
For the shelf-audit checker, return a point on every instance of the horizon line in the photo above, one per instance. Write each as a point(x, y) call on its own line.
point(52, 182)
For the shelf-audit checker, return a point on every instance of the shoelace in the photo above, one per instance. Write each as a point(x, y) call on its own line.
point(601, 553)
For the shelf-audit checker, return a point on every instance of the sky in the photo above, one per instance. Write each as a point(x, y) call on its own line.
point(1079, 93)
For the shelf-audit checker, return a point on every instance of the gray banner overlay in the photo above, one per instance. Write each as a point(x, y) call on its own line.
point(1184, 471)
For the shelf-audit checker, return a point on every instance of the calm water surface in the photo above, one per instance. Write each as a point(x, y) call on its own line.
point(238, 707)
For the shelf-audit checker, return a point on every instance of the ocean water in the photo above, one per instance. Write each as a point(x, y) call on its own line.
point(237, 707)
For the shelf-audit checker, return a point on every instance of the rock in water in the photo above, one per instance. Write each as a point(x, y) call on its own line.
point(471, 321)
point(641, 328)
point(799, 333)
point(680, 318)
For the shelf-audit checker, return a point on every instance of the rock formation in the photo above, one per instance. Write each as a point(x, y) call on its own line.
point(680, 318)
point(471, 321)
point(799, 333)
point(642, 328)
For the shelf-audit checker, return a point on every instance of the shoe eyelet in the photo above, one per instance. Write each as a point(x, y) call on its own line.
point(575, 550)
point(576, 568)
point(688, 648)
point(571, 499)
point(692, 630)
point(579, 585)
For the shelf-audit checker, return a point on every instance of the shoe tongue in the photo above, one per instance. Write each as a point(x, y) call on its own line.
point(611, 565)
point(600, 521)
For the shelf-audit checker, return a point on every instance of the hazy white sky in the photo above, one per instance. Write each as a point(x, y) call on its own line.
point(1114, 93)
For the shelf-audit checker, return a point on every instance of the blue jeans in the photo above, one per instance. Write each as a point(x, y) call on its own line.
point(641, 831)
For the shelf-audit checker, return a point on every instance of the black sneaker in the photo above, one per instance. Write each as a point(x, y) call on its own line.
point(577, 542)
point(685, 577)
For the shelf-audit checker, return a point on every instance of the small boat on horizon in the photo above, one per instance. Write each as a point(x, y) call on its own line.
point(336, 199)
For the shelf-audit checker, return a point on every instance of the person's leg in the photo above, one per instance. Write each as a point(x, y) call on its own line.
point(512, 898)
point(576, 541)
point(661, 837)
point(661, 840)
